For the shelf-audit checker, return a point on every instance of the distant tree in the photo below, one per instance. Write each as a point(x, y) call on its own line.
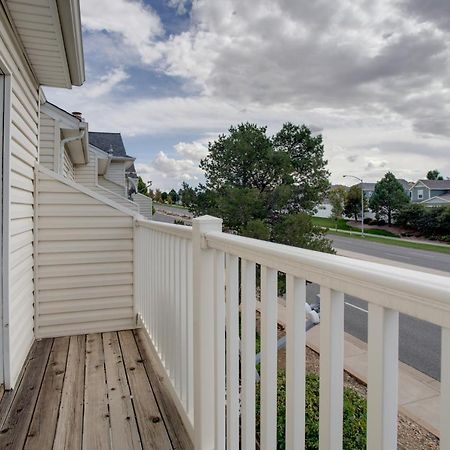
point(164, 196)
point(151, 194)
point(388, 197)
point(158, 196)
point(186, 194)
point(434, 175)
point(142, 187)
point(353, 202)
point(173, 196)
point(337, 197)
point(255, 181)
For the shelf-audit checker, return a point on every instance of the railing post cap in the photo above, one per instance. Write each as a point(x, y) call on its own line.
point(209, 221)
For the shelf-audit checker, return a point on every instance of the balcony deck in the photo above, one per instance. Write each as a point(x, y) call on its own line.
point(95, 391)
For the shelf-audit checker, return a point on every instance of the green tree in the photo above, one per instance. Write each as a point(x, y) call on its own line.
point(173, 196)
point(164, 196)
point(158, 196)
point(142, 187)
point(186, 194)
point(353, 202)
point(434, 175)
point(388, 197)
point(253, 181)
point(337, 197)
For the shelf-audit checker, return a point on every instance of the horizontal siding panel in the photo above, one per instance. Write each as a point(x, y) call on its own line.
point(85, 280)
point(21, 196)
point(21, 211)
point(19, 255)
point(22, 182)
point(85, 328)
point(19, 226)
point(18, 241)
point(81, 242)
point(84, 293)
point(73, 234)
point(85, 316)
point(70, 270)
point(85, 305)
point(84, 222)
point(71, 198)
point(20, 166)
point(88, 257)
point(66, 210)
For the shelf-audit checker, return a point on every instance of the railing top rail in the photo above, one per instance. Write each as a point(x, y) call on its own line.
point(421, 295)
point(182, 231)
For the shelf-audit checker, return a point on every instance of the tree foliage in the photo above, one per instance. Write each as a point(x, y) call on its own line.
point(388, 197)
point(353, 202)
point(434, 175)
point(186, 194)
point(254, 181)
point(337, 198)
point(430, 222)
point(173, 195)
point(142, 187)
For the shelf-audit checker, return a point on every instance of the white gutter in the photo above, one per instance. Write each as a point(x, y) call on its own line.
point(63, 143)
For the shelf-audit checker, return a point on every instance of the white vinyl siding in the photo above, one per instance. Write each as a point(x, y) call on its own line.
point(86, 174)
point(48, 141)
point(112, 186)
point(145, 205)
point(22, 146)
point(68, 169)
point(85, 261)
point(116, 173)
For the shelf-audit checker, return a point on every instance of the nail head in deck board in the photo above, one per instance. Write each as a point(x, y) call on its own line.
point(96, 416)
point(124, 431)
point(43, 424)
point(14, 430)
point(175, 427)
point(153, 434)
point(70, 422)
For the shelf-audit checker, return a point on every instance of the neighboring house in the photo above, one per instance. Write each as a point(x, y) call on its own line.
point(431, 192)
point(95, 160)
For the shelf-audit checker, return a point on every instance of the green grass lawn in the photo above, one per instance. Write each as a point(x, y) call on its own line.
point(375, 235)
point(397, 242)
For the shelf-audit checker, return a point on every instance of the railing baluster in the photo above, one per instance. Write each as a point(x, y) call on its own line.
point(190, 330)
point(183, 323)
point(331, 368)
point(445, 390)
point(232, 353)
point(269, 313)
point(248, 370)
point(220, 315)
point(382, 383)
point(295, 363)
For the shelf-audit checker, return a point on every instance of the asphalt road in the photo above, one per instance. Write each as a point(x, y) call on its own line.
point(419, 341)
point(423, 258)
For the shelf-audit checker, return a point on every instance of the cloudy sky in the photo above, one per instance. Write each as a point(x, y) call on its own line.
point(171, 75)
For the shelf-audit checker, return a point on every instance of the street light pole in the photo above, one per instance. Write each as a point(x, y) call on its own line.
point(362, 201)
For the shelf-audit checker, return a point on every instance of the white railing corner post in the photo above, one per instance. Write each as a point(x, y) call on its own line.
point(204, 332)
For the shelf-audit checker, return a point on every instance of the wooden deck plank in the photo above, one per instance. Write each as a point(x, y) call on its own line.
point(15, 428)
point(124, 430)
point(96, 429)
point(151, 426)
point(70, 422)
point(177, 432)
point(43, 424)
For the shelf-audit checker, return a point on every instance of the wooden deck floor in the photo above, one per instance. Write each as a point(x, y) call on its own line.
point(97, 391)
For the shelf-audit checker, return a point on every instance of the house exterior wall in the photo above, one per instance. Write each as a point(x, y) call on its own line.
point(86, 174)
point(415, 191)
point(116, 173)
point(118, 189)
point(68, 169)
point(84, 277)
point(48, 140)
point(145, 205)
point(20, 154)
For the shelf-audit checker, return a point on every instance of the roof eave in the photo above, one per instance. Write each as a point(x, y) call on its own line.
point(70, 19)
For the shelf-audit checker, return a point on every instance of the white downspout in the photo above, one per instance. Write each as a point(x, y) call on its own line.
point(63, 143)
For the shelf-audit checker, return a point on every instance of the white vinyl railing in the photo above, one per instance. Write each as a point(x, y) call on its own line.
point(163, 291)
point(224, 290)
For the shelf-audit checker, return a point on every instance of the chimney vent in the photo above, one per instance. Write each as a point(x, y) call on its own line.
point(78, 115)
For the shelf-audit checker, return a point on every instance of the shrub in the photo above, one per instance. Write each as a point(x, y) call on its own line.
point(355, 415)
point(381, 222)
point(368, 221)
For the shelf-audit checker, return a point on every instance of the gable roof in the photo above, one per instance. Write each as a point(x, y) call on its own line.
point(436, 184)
point(110, 143)
point(445, 199)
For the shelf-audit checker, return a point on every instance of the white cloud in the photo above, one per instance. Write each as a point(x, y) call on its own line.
point(195, 151)
point(179, 5)
point(136, 22)
point(106, 83)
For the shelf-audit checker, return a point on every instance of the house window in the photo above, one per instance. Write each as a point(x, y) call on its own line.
point(420, 194)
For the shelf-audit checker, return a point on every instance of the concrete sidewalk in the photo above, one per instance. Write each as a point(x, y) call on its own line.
point(419, 394)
